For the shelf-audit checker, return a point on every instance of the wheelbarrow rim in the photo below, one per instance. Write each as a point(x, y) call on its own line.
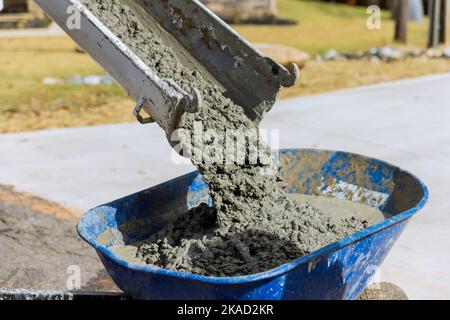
point(278, 271)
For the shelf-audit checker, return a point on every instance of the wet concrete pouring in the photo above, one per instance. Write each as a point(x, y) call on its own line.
point(254, 225)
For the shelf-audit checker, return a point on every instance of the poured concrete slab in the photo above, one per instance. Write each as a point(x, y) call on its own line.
point(404, 122)
point(84, 167)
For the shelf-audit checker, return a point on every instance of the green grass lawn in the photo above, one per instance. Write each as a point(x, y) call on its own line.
point(27, 104)
point(324, 25)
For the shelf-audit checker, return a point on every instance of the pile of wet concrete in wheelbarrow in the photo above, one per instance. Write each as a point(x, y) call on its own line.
point(253, 225)
point(38, 244)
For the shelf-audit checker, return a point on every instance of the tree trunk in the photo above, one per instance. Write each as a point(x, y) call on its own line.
point(434, 9)
point(401, 20)
point(444, 22)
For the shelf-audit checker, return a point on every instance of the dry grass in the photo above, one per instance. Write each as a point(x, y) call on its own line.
point(27, 104)
point(323, 25)
point(327, 76)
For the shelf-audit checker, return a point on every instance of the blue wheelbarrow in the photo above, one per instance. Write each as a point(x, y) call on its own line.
point(340, 270)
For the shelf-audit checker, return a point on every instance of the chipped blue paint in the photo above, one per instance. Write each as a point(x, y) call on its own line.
point(338, 271)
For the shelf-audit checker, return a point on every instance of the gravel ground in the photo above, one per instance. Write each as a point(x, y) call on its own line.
point(383, 291)
point(38, 243)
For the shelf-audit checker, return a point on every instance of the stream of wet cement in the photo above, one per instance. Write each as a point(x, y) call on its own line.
point(254, 225)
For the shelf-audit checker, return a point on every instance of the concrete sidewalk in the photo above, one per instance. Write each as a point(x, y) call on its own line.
point(404, 122)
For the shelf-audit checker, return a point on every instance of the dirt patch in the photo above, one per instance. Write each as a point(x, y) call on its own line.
point(9, 196)
point(37, 247)
point(383, 291)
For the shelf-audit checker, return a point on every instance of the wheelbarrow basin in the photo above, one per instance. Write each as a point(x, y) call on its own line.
point(340, 270)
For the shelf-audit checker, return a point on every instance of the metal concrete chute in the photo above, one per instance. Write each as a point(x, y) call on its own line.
point(250, 79)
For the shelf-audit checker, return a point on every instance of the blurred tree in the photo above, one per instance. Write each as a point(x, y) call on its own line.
point(444, 22)
point(415, 9)
point(401, 12)
point(438, 13)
